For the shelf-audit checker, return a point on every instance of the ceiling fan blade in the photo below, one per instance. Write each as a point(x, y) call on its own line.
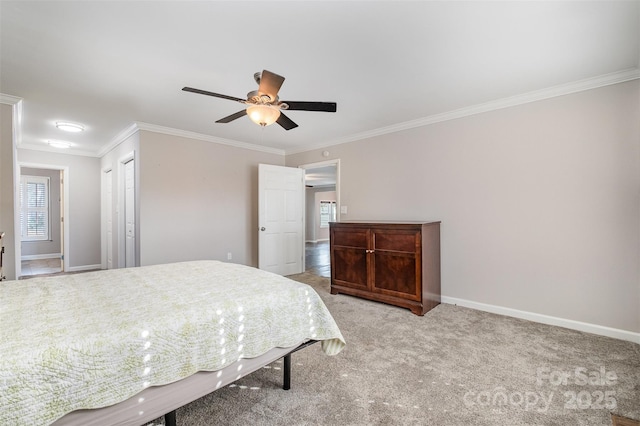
point(286, 122)
point(232, 117)
point(270, 84)
point(312, 106)
point(217, 95)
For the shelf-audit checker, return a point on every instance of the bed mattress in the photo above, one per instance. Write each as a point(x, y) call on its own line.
point(91, 340)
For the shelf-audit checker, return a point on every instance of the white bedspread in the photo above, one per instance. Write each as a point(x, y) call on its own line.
point(94, 339)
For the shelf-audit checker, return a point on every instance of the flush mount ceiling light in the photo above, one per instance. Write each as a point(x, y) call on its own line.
point(59, 144)
point(69, 127)
point(263, 115)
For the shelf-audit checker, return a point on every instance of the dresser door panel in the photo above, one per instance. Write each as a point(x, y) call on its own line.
point(350, 267)
point(396, 274)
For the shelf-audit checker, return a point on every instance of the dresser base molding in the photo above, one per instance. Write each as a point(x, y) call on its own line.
point(415, 307)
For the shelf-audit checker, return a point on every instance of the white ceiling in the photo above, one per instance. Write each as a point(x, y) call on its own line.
point(321, 176)
point(386, 64)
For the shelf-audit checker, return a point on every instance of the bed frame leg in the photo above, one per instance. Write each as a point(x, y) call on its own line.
point(287, 372)
point(170, 418)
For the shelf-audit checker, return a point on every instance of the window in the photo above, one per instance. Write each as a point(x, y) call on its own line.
point(34, 208)
point(327, 213)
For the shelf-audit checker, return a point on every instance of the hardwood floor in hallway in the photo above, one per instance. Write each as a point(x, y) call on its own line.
point(41, 266)
point(318, 258)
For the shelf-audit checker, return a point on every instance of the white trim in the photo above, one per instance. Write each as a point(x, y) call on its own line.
point(42, 256)
point(335, 161)
point(206, 138)
point(546, 319)
point(125, 134)
point(120, 216)
point(9, 99)
point(16, 139)
point(26, 179)
point(48, 148)
point(103, 215)
point(537, 95)
point(85, 268)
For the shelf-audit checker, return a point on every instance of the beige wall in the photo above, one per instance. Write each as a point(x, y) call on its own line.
point(7, 190)
point(83, 200)
point(198, 200)
point(539, 203)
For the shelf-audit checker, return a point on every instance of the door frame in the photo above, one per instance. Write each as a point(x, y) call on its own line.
point(325, 164)
point(64, 224)
point(104, 255)
point(120, 216)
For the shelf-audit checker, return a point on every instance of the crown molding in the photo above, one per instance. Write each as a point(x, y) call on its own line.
point(207, 138)
point(560, 90)
point(46, 148)
point(551, 92)
point(124, 134)
point(9, 99)
point(16, 103)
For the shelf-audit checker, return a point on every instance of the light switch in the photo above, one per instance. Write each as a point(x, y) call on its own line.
point(343, 209)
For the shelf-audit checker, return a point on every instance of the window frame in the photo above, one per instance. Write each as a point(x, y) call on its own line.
point(25, 210)
point(331, 213)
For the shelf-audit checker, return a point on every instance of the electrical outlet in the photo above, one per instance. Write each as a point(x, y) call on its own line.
point(229, 256)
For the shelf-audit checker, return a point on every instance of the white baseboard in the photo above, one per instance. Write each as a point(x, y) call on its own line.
point(84, 268)
point(546, 319)
point(41, 256)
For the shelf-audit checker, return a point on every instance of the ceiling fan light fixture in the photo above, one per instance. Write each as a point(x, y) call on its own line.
point(263, 115)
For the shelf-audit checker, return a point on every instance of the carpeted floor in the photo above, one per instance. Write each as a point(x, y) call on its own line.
point(454, 366)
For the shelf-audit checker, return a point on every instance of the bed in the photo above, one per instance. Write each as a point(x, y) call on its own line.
point(126, 346)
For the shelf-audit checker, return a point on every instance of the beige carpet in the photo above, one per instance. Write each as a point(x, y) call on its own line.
point(454, 366)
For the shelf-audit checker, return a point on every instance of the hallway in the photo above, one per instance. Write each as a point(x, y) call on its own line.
point(41, 267)
point(318, 258)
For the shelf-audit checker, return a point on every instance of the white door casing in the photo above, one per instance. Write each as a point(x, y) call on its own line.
point(280, 219)
point(109, 217)
point(130, 214)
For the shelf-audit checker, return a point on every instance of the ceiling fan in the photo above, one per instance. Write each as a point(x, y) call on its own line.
point(263, 105)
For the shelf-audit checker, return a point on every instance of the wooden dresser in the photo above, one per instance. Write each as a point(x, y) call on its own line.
point(394, 263)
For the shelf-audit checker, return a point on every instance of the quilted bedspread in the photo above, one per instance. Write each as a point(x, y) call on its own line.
point(94, 339)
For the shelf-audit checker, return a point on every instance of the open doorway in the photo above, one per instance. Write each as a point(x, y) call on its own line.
point(41, 212)
point(321, 207)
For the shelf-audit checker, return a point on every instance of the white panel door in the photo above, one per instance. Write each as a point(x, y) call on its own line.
point(129, 215)
point(280, 219)
point(109, 213)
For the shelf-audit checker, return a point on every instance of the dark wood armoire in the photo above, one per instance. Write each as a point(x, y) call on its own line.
point(394, 263)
